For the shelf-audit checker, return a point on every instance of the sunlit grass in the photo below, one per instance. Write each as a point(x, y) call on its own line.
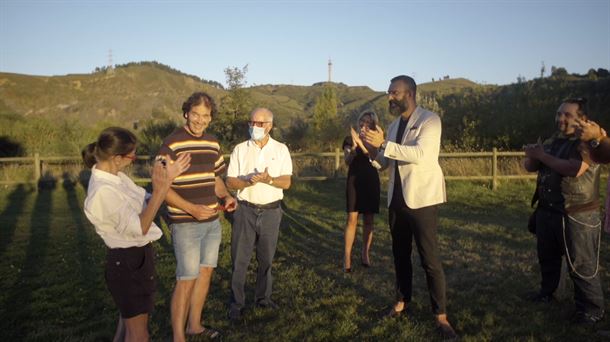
point(52, 287)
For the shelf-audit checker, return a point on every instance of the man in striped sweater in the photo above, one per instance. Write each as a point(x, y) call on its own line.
point(194, 201)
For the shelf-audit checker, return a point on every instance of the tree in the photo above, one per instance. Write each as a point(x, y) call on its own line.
point(325, 121)
point(231, 123)
point(153, 133)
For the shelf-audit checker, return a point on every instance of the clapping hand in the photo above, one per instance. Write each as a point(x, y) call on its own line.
point(374, 137)
point(534, 151)
point(588, 130)
point(358, 141)
point(262, 177)
point(165, 170)
point(177, 167)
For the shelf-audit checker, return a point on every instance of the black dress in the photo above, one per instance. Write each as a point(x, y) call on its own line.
point(362, 187)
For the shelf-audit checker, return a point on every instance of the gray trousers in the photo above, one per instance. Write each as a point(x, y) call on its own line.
point(253, 228)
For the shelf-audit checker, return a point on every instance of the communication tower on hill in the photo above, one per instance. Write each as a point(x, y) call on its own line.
point(110, 65)
point(330, 70)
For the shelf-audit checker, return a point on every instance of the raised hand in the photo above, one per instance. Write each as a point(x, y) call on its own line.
point(533, 151)
point(374, 137)
point(177, 167)
point(159, 178)
point(588, 130)
point(355, 137)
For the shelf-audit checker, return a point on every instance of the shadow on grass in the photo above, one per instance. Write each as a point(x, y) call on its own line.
point(10, 215)
point(20, 301)
point(88, 266)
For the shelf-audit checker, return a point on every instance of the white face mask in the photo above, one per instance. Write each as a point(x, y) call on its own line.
point(257, 133)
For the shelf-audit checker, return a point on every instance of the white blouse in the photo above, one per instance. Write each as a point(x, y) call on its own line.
point(113, 205)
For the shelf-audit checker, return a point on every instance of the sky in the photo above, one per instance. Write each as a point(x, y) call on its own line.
point(290, 41)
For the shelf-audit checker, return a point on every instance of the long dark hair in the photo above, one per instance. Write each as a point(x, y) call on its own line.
point(112, 141)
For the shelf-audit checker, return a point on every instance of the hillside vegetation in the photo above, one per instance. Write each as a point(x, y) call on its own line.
point(59, 114)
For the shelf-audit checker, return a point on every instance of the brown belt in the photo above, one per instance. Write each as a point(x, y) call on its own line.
point(577, 208)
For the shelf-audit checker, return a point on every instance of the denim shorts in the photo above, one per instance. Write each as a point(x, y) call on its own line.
point(196, 245)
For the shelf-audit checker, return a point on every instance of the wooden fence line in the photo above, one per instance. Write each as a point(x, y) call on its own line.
point(37, 163)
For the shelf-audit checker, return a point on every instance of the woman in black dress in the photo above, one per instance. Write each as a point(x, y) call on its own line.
point(362, 191)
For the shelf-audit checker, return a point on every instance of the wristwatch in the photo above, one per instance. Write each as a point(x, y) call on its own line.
point(383, 145)
point(593, 143)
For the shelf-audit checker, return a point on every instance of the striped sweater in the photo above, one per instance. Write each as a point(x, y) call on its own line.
point(196, 184)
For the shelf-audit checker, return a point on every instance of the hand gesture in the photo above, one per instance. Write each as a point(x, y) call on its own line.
point(533, 151)
point(588, 130)
point(262, 177)
point(230, 203)
point(201, 212)
point(373, 137)
point(159, 178)
point(177, 167)
point(358, 140)
point(355, 137)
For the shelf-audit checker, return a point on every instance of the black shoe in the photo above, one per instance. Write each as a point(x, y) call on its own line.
point(540, 298)
point(446, 332)
point(586, 318)
point(235, 314)
point(268, 305)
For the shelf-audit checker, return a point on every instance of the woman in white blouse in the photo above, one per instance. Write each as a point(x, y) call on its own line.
point(123, 214)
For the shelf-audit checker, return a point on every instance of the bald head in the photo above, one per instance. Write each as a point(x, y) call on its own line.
point(261, 114)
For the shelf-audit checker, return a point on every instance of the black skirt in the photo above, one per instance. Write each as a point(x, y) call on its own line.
point(131, 280)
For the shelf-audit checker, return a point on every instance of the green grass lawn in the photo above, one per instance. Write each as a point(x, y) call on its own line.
point(52, 287)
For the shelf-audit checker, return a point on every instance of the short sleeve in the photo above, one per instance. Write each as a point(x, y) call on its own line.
point(166, 150)
point(233, 169)
point(286, 168)
point(219, 166)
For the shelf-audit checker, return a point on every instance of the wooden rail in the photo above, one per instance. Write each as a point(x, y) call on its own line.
point(38, 162)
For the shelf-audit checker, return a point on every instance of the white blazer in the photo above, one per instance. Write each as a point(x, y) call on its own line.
point(423, 183)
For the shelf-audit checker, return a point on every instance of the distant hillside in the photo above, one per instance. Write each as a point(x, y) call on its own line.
point(145, 90)
point(122, 96)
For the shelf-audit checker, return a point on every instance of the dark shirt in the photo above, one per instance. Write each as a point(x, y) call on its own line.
point(398, 199)
point(360, 164)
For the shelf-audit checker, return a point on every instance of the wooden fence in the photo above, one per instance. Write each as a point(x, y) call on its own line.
point(38, 164)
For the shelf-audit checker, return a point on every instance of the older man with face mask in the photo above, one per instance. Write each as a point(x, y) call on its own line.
point(259, 169)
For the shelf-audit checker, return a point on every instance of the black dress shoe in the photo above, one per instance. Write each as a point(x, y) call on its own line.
point(540, 298)
point(235, 314)
point(393, 313)
point(446, 332)
point(586, 318)
point(267, 305)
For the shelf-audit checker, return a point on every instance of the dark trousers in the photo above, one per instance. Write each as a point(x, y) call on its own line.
point(253, 228)
point(581, 237)
point(421, 224)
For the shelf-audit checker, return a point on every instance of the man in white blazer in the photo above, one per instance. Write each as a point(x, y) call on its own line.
point(415, 189)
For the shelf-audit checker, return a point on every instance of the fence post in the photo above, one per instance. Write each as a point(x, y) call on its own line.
point(494, 169)
point(37, 167)
point(337, 161)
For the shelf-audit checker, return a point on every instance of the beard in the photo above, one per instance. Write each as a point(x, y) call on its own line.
point(397, 107)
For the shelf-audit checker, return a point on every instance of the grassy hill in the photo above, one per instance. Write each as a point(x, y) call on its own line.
point(474, 116)
point(123, 96)
point(147, 90)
